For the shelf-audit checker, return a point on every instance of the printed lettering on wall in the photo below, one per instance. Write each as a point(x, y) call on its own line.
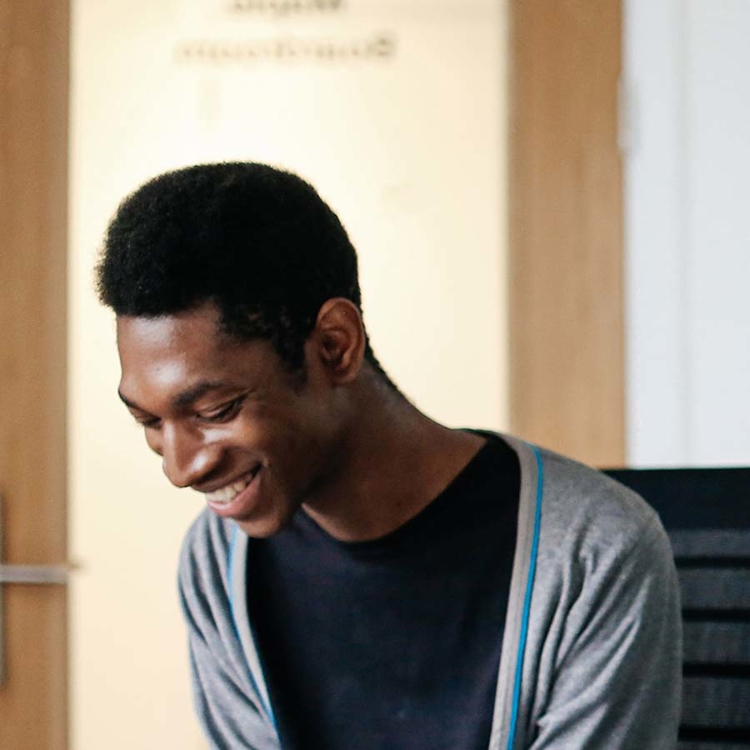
point(284, 31)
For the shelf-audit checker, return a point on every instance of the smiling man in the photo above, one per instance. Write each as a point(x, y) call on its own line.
point(363, 577)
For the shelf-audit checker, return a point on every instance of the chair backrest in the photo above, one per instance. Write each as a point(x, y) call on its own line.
point(706, 513)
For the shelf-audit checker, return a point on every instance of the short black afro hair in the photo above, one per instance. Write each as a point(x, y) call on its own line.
point(256, 241)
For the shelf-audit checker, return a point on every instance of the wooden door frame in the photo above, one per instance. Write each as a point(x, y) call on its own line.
point(567, 382)
point(34, 70)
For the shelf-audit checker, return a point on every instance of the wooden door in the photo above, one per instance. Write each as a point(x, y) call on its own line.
point(566, 276)
point(33, 217)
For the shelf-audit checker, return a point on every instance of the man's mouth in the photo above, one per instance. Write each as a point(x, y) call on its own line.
point(225, 495)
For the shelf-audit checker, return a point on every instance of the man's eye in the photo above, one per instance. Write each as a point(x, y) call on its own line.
point(147, 422)
point(222, 413)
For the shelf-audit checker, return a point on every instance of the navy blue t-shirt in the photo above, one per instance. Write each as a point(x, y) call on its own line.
point(392, 643)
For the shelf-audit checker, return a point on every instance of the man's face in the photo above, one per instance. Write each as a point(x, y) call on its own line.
point(227, 418)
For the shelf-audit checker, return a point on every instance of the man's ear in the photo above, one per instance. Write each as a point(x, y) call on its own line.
point(339, 338)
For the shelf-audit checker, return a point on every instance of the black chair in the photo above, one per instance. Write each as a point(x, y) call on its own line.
point(706, 513)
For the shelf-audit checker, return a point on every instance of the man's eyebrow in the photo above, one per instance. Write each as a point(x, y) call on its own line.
point(186, 397)
point(192, 394)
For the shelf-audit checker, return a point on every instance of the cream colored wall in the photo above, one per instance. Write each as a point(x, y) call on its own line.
point(409, 150)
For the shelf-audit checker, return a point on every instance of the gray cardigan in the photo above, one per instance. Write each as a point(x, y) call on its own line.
point(591, 652)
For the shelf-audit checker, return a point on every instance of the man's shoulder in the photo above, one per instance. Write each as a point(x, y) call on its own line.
point(206, 549)
point(581, 507)
point(596, 538)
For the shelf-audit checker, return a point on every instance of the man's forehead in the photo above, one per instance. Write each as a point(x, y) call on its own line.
point(169, 352)
point(200, 325)
point(176, 352)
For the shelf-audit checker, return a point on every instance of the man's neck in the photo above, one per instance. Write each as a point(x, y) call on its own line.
point(395, 462)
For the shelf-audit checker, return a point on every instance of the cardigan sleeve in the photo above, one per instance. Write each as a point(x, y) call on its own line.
point(227, 705)
point(616, 678)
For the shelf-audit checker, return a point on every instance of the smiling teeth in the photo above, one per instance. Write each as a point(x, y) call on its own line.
point(226, 494)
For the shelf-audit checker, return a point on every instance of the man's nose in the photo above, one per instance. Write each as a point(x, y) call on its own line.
point(186, 457)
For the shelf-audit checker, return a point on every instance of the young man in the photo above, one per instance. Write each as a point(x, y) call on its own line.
point(364, 577)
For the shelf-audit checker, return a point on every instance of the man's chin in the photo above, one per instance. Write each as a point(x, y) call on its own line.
point(262, 528)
